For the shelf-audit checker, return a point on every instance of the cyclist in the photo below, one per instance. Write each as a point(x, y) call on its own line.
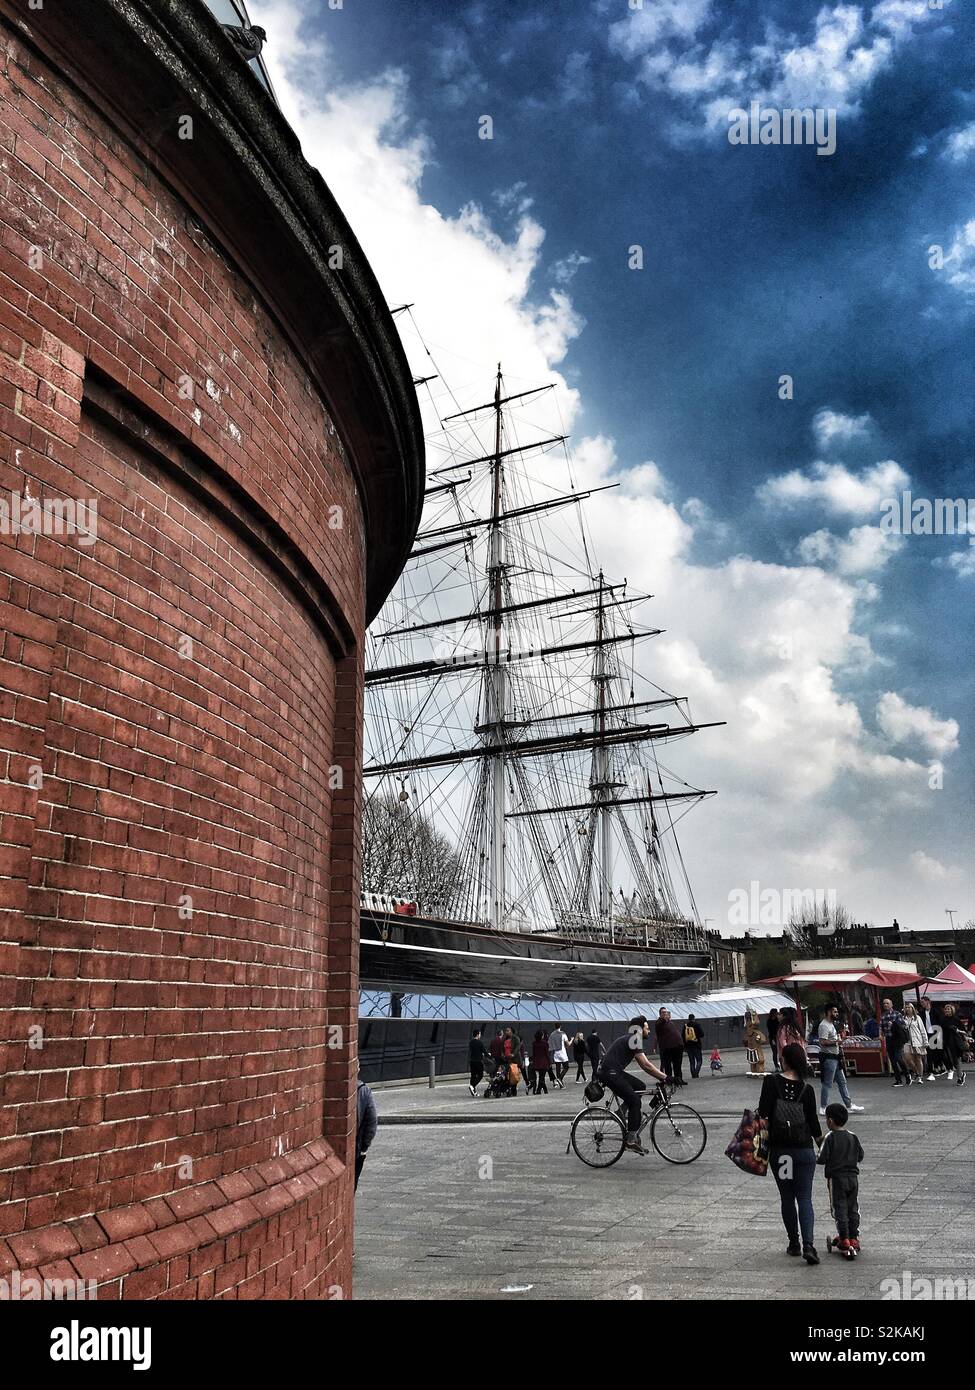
point(612, 1073)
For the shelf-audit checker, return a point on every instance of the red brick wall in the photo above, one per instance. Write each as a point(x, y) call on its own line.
point(172, 697)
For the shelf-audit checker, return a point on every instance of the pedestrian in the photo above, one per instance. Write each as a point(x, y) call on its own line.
point(541, 1060)
point(476, 1053)
point(558, 1048)
point(954, 1043)
point(915, 1052)
point(495, 1047)
point(934, 1038)
point(772, 1026)
point(693, 1038)
point(670, 1045)
point(579, 1054)
point(896, 1035)
point(831, 1062)
point(716, 1062)
point(512, 1051)
point(841, 1155)
point(527, 1068)
point(789, 1030)
point(594, 1049)
point(788, 1103)
point(366, 1124)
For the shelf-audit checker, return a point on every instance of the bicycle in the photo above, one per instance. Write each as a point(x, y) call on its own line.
point(677, 1131)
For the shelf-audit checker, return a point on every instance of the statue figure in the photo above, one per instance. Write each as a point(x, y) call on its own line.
point(754, 1051)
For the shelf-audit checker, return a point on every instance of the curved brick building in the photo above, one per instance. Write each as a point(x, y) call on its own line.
point(210, 474)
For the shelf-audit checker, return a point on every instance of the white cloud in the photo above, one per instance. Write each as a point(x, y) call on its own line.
point(836, 488)
point(960, 260)
point(832, 66)
point(904, 723)
point(963, 561)
point(863, 550)
point(833, 427)
point(961, 142)
point(931, 870)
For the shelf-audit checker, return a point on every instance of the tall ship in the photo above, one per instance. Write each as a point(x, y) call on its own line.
point(519, 825)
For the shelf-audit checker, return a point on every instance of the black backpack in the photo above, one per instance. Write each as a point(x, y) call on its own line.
point(900, 1033)
point(788, 1125)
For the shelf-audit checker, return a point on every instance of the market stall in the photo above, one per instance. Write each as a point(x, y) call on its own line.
point(864, 1055)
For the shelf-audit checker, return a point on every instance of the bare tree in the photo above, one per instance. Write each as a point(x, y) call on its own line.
point(405, 856)
point(818, 929)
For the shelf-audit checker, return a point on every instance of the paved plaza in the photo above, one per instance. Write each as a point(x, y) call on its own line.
point(478, 1199)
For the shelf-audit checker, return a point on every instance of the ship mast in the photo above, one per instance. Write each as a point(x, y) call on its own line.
point(511, 742)
point(495, 677)
point(601, 771)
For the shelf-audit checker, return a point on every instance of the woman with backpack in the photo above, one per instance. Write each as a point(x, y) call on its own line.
point(788, 1103)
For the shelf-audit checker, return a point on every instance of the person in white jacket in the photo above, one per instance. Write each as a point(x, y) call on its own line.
point(916, 1050)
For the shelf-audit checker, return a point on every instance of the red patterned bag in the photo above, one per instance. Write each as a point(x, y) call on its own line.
point(749, 1146)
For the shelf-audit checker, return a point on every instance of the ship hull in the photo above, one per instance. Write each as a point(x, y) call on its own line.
point(419, 955)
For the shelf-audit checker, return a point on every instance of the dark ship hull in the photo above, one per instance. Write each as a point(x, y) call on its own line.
point(421, 955)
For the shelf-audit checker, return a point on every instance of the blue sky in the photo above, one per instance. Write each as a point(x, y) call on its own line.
point(610, 130)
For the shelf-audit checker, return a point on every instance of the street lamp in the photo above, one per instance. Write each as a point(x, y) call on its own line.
point(951, 917)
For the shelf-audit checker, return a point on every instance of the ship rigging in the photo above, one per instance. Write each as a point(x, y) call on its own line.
point(501, 702)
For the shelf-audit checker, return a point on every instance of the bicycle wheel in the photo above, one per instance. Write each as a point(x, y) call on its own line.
point(678, 1133)
point(598, 1136)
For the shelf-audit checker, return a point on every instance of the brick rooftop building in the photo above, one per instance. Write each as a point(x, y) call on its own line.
point(211, 472)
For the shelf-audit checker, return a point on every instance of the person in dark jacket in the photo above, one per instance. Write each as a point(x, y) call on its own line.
point(788, 1103)
point(954, 1043)
point(541, 1061)
point(693, 1038)
point(594, 1049)
point(476, 1053)
point(772, 1025)
point(366, 1124)
point(670, 1045)
point(579, 1055)
point(494, 1047)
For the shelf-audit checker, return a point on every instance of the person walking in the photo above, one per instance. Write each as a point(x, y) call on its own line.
point(895, 1035)
point(772, 1025)
point(788, 1103)
point(789, 1030)
point(831, 1062)
point(670, 1045)
point(579, 1055)
point(841, 1155)
point(934, 1038)
point(916, 1051)
point(954, 1044)
point(541, 1061)
point(476, 1053)
point(594, 1049)
point(558, 1047)
point(495, 1048)
point(366, 1124)
point(693, 1038)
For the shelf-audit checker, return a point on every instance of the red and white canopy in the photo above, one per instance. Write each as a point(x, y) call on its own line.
point(954, 982)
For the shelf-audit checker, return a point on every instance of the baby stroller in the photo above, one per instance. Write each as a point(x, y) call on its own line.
point(504, 1082)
